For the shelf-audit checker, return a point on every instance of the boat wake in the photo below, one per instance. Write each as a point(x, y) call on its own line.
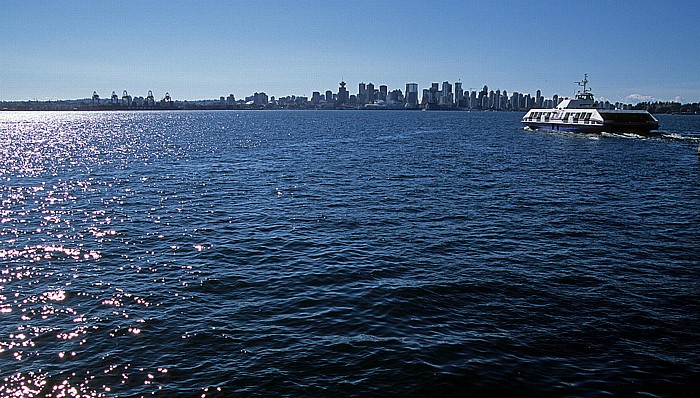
point(693, 137)
point(689, 137)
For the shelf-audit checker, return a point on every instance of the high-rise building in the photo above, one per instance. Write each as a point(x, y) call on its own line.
point(329, 96)
point(411, 95)
point(260, 99)
point(383, 91)
point(514, 102)
point(362, 93)
point(446, 97)
point(433, 93)
point(343, 95)
point(459, 95)
point(370, 93)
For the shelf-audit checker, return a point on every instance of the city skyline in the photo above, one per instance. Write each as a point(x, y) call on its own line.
point(438, 96)
point(632, 51)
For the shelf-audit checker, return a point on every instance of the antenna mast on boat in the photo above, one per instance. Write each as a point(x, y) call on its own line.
point(584, 83)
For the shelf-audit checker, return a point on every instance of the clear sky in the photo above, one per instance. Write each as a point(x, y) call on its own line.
point(204, 49)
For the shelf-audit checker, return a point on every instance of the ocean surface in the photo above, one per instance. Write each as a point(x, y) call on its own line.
point(345, 253)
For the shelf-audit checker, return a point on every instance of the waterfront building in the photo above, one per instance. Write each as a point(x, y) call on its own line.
point(459, 95)
point(362, 93)
point(446, 96)
point(370, 95)
point(260, 99)
point(395, 96)
point(514, 102)
point(430, 96)
point(411, 95)
point(329, 96)
point(343, 94)
point(383, 91)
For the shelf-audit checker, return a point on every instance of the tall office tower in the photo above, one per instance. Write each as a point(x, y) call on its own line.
point(472, 100)
point(555, 100)
point(447, 96)
point(459, 95)
point(362, 93)
point(539, 99)
point(426, 97)
point(370, 93)
point(329, 96)
point(383, 91)
point(343, 95)
point(434, 91)
point(514, 101)
point(411, 94)
point(497, 100)
point(482, 100)
point(504, 100)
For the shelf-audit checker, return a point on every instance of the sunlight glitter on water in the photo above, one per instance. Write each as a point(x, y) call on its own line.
point(173, 253)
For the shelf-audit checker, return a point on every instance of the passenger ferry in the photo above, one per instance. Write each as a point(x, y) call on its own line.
point(580, 115)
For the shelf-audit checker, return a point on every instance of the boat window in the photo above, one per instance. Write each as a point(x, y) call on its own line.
point(587, 116)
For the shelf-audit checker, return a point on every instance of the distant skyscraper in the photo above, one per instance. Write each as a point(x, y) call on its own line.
point(362, 93)
point(370, 93)
point(447, 95)
point(329, 96)
point(343, 95)
point(459, 94)
point(514, 102)
point(383, 91)
point(433, 93)
point(411, 95)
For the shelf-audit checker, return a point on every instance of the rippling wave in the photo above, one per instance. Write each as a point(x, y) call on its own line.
point(345, 254)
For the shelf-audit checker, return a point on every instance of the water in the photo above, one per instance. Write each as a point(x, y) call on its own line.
point(345, 254)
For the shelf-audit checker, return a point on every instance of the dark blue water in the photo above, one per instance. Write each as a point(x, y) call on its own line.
point(345, 254)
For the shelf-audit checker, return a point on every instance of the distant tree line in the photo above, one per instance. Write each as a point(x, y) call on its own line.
point(668, 107)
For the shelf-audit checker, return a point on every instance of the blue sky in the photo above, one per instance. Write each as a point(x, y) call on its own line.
point(204, 49)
